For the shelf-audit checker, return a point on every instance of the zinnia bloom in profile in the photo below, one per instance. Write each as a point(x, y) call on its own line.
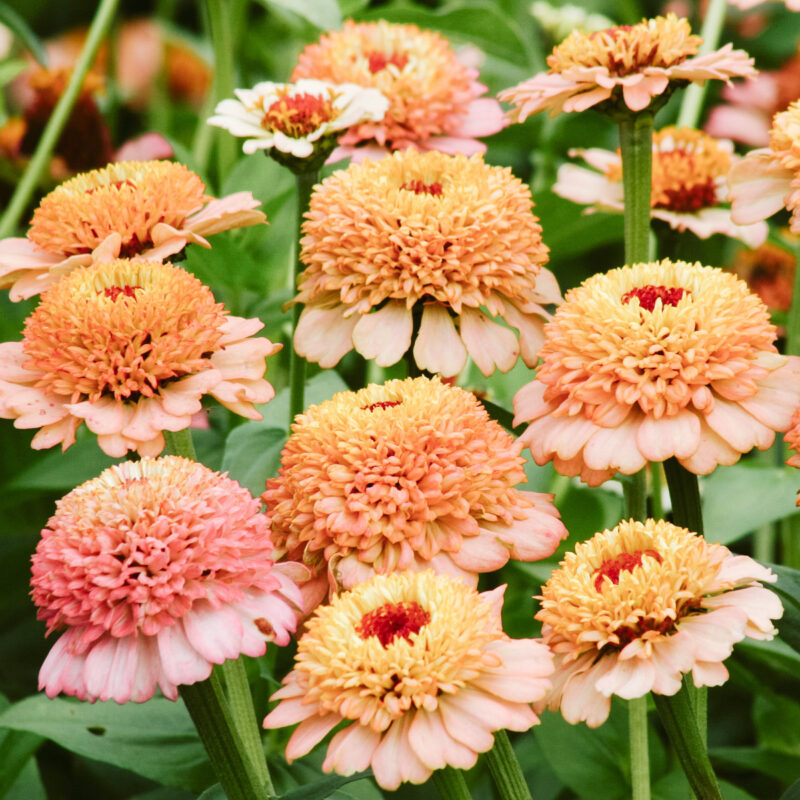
point(435, 101)
point(409, 475)
point(657, 360)
point(130, 347)
point(634, 608)
point(158, 569)
point(427, 234)
point(419, 668)
point(766, 180)
point(624, 67)
point(132, 209)
point(297, 118)
point(689, 186)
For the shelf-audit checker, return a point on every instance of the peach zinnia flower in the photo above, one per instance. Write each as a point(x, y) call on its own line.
point(657, 360)
point(130, 347)
point(158, 569)
point(623, 67)
point(418, 666)
point(435, 100)
point(145, 209)
point(635, 607)
point(423, 234)
point(768, 180)
point(689, 172)
point(409, 475)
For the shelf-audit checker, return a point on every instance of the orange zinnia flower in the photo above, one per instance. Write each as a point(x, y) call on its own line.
point(142, 209)
point(130, 347)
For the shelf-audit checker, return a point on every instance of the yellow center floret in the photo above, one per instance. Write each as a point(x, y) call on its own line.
point(627, 49)
point(377, 679)
point(298, 115)
point(121, 329)
point(633, 582)
point(128, 198)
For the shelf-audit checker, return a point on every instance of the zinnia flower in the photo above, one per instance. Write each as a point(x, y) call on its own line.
point(624, 67)
point(419, 668)
point(769, 272)
point(441, 237)
point(657, 360)
point(298, 118)
point(768, 180)
point(409, 475)
point(435, 101)
point(144, 209)
point(689, 172)
point(158, 569)
point(130, 347)
point(635, 607)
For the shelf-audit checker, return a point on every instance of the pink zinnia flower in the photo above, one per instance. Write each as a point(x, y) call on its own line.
point(688, 175)
point(419, 668)
point(435, 100)
point(657, 360)
point(158, 569)
point(767, 180)
point(625, 67)
point(133, 209)
point(130, 347)
point(409, 475)
point(634, 608)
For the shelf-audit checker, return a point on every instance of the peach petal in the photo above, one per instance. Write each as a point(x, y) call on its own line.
point(104, 416)
point(291, 711)
point(149, 419)
point(628, 678)
point(535, 537)
point(547, 290)
point(757, 185)
point(384, 335)
point(488, 343)
point(581, 701)
point(494, 712)
point(713, 450)
point(235, 329)
point(737, 427)
point(709, 673)
point(529, 402)
point(531, 332)
point(323, 335)
point(214, 632)
point(244, 359)
point(482, 553)
point(659, 439)
point(438, 347)
point(180, 662)
point(351, 750)
point(434, 746)
point(616, 448)
point(394, 761)
point(587, 187)
point(62, 432)
point(484, 116)
point(234, 211)
point(182, 398)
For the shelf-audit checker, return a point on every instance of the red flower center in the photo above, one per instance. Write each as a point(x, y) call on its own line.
point(379, 61)
point(668, 295)
point(299, 114)
point(393, 620)
point(381, 404)
point(418, 187)
point(624, 562)
point(115, 291)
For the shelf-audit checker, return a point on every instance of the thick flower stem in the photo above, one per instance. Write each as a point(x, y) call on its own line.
point(55, 125)
point(180, 443)
point(635, 489)
point(678, 717)
point(637, 736)
point(636, 144)
point(450, 784)
point(297, 365)
point(505, 769)
point(220, 25)
point(208, 709)
point(694, 96)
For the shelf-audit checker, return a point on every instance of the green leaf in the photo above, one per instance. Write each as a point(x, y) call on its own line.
point(253, 454)
point(16, 749)
point(155, 739)
point(23, 32)
point(793, 792)
point(728, 508)
point(28, 785)
point(775, 765)
point(323, 14)
point(10, 68)
point(777, 720)
point(788, 588)
point(323, 788)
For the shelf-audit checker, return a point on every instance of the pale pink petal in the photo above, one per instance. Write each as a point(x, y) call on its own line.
point(244, 359)
point(587, 187)
point(615, 448)
point(62, 669)
point(713, 450)
point(738, 428)
point(147, 147)
point(660, 439)
point(535, 537)
point(484, 116)
point(748, 125)
point(181, 398)
point(637, 95)
point(438, 347)
point(394, 761)
point(546, 289)
point(214, 632)
point(628, 678)
point(104, 416)
point(180, 662)
point(531, 332)
point(324, 335)
point(494, 712)
point(529, 402)
point(434, 746)
point(290, 711)
point(234, 211)
point(452, 145)
point(384, 335)
point(482, 553)
point(308, 733)
point(488, 343)
point(758, 185)
point(465, 727)
point(351, 750)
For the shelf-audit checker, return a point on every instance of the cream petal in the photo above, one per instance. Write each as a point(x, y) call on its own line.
point(659, 439)
point(712, 450)
point(531, 332)
point(488, 343)
point(394, 761)
point(384, 335)
point(434, 746)
point(615, 448)
point(438, 347)
point(308, 734)
point(758, 185)
point(529, 402)
point(738, 428)
point(324, 335)
point(482, 553)
point(351, 749)
point(587, 187)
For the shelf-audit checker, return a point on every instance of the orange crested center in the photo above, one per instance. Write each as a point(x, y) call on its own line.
point(420, 187)
point(381, 404)
point(392, 621)
point(115, 291)
point(668, 295)
point(624, 562)
point(378, 60)
point(299, 115)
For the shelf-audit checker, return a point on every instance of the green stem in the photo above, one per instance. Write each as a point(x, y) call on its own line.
point(180, 443)
point(684, 493)
point(655, 491)
point(208, 709)
point(450, 784)
point(695, 94)
point(636, 143)
point(55, 125)
point(678, 717)
point(640, 759)
point(297, 366)
point(224, 50)
point(635, 489)
point(505, 769)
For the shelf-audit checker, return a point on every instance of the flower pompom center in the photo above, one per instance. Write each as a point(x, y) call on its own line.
point(115, 291)
point(784, 136)
point(420, 187)
point(393, 621)
point(381, 404)
point(128, 198)
point(624, 562)
point(298, 115)
point(648, 295)
point(378, 61)
point(627, 49)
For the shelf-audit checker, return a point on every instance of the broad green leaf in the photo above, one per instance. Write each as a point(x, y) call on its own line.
point(323, 14)
point(28, 785)
point(252, 455)
point(321, 789)
point(16, 749)
point(155, 739)
point(788, 588)
point(674, 785)
point(776, 765)
point(777, 720)
point(793, 792)
point(729, 511)
point(10, 68)
point(20, 28)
